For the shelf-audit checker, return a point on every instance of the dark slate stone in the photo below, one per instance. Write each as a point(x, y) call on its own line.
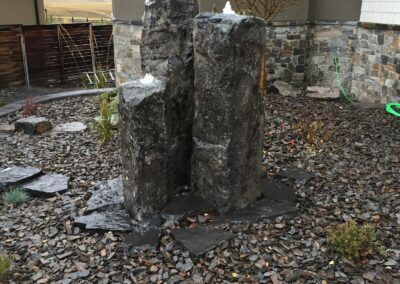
point(33, 125)
point(201, 239)
point(185, 206)
point(118, 220)
point(228, 124)
point(275, 190)
point(47, 184)
point(17, 175)
point(107, 195)
point(261, 210)
point(297, 174)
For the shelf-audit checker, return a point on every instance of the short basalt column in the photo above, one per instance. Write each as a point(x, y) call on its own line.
point(144, 148)
point(228, 123)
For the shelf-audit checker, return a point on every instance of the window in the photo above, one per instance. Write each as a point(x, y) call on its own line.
point(381, 11)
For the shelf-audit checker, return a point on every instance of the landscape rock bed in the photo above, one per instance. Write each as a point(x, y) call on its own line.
point(355, 176)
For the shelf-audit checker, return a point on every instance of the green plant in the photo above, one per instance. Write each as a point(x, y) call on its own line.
point(30, 107)
point(15, 196)
point(2, 103)
point(5, 264)
point(108, 117)
point(354, 242)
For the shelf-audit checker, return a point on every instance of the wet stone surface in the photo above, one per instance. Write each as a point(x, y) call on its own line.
point(297, 174)
point(259, 211)
point(118, 220)
point(275, 190)
point(47, 184)
point(201, 239)
point(185, 206)
point(107, 195)
point(16, 175)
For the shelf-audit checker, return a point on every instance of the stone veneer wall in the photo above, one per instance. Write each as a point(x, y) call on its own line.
point(300, 53)
point(127, 36)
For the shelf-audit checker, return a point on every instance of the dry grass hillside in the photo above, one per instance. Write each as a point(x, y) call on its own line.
point(83, 10)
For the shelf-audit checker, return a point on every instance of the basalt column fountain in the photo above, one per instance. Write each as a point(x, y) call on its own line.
point(228, 123)
point(157, 112)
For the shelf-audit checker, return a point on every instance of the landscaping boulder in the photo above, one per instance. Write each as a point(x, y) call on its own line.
point(323, 93)
point(285, 89)
point(33, 125)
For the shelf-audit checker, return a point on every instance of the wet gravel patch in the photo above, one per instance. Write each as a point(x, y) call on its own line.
point(357, 178)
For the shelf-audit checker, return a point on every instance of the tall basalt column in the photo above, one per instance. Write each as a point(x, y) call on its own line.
point(167, 50)
point(228, 123)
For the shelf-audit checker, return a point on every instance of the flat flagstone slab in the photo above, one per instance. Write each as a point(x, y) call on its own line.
point(261, 210)
point(75, 126)
point(47, 184)
point(275, 190)
point(186, 206)
point(143, 239)
point(14, 176)
point(118, 220)
point(109, 195)
point(200, 240)
point(7, 128)
point(297, 174)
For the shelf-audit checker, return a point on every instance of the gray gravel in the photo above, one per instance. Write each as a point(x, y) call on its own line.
point(356, 177)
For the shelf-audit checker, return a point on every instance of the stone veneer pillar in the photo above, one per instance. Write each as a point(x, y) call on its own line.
point(161, 112)
point(228, 123)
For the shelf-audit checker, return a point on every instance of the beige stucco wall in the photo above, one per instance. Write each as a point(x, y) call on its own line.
point(335, 10)
point(15, 12)
point(304, 10)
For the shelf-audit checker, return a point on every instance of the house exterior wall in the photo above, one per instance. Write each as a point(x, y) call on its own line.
point(20, 12)
point(381, 11)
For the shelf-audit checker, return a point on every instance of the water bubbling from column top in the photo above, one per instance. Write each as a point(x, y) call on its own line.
point(228, 9)
point(148, 79)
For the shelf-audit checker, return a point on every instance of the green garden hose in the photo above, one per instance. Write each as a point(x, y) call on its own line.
point(335, 59)
point(390, 108)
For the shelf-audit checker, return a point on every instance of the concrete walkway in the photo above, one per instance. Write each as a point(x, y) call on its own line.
point(16, 106)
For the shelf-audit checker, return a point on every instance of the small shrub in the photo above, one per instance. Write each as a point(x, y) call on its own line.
point(316, 133)
point(15, 196)
point(108, 117)
point(30, 107)
point(2, 103)
point(5, 264)
point(354, 242)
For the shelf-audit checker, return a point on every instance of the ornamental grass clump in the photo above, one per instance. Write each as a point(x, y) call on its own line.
point(5, 264)
point(108, 117)
point(354, 242)
point(15, 196)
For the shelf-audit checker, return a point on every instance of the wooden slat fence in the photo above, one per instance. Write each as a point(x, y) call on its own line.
point(53, 55)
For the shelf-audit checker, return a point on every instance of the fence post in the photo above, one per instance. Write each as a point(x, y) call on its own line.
point(61, 54)
point(93, 55)
point(24, 58)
